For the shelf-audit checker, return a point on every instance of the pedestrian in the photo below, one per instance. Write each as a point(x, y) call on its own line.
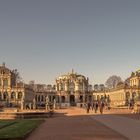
point(93, 105)
point(101, 107)
point(88, 107)
point(96, 107)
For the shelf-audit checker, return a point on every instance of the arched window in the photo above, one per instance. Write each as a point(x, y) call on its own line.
point(81, 99)
point(71, 86)
point(39, 98)
point(5, 82)
point(13, 95)
point(133, 95)
point(19, 95)
point(127, 95)
point(42, 98)
point(5, 95)
point(62, 87)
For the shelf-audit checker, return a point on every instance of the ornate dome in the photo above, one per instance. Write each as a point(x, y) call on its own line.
point(137, 73)
point(4, 70)
point(71, 76)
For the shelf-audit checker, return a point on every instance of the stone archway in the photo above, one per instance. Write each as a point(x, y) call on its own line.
point(13, 95)
point(81, 99)
point(5, 95)
point(63, 99)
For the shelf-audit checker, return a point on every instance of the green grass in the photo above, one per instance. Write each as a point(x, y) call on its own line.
point(19, 129)
point(5, 123)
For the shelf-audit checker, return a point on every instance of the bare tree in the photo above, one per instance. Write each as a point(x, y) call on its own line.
point(16, 76)
point(127, 82)
point(112, 81)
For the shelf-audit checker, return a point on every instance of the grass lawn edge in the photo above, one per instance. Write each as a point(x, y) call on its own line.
point(23, 137)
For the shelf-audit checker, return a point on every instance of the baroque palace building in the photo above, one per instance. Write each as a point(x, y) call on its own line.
point(70, 89)
point(12, 93)
point(124, 92)
point(73, 89)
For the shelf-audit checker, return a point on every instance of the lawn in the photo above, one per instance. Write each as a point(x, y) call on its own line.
point(6, 123)
point(17, 129)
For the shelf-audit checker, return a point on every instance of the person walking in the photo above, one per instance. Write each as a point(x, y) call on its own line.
point(96, 107)
point(101, 107)
point(93, 105)
point(88, 107)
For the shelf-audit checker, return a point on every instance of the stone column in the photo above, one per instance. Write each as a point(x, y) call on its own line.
point(9, 81)
point(22, 104)
point(84, 98)
point(59, 86)
point(54, 103)
point(60, 100)
point(34, 103)
point(47, 102)
point(76, 86)
point(66, 86)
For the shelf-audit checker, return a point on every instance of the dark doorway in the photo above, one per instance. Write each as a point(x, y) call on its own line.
point(72, 100)
point(63, 99)
point(81, 99)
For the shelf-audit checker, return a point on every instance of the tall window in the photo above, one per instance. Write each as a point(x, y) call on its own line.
point(5, 82)
point(42, 98)
point(71, 86)
point(63, 87)
point(5, 95)
point(13, 95)
point(19, 95)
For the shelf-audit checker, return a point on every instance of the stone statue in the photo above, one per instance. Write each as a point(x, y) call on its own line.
point(54, 103)
point(34, 103)
point(47, 102)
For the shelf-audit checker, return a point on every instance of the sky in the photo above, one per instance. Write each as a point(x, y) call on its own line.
point(46, 38)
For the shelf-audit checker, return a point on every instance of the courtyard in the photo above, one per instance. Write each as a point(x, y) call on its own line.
point(76, 124)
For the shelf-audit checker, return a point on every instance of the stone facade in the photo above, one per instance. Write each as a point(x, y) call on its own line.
point(72, 89)
point(12, 93)
point(123, 93)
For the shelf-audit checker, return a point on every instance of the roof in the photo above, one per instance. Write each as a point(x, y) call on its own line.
point(4, 70)
point(72, 75)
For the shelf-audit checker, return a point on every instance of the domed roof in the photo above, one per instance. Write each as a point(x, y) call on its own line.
point(4, 70)
point(72, 75)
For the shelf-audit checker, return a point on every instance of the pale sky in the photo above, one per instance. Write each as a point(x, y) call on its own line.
point(46, 38)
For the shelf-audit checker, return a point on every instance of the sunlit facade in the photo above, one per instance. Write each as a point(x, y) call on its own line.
point(72, 89)
point(124, 92)
point(12, 93)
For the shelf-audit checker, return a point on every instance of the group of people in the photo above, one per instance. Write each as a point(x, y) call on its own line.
point(133, 106)
point(96, 105)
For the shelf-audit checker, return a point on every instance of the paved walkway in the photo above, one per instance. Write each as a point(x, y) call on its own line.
point(124, 125)
point(73, 124)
